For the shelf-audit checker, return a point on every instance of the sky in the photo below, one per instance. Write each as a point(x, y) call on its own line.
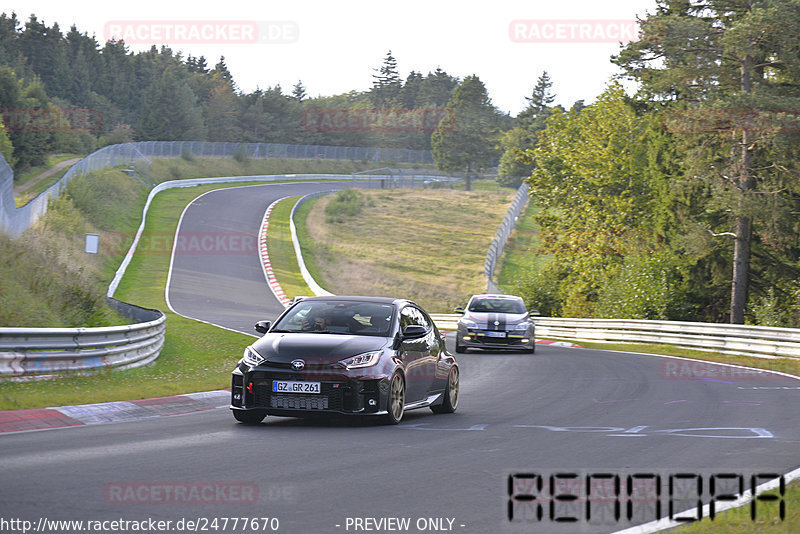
point(335, 47)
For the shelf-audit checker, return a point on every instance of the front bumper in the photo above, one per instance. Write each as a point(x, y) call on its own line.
point(489, 339)
point(339, 394)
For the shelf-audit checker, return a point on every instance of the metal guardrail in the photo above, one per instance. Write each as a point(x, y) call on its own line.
point(763, 341)
point(44, 351)
point(501, 237)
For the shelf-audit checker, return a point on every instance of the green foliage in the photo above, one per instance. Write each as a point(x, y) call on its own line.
point(105, 199)
point(465, 137)
point(47, 279)
point(644, 286)
point(170, 111)
point(6, 148)
point(345, 205)
point(721, 69)
point(186, 154)
point(241, 156)
point(540, 288)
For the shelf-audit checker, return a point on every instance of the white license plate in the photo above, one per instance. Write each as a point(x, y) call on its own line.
point(286, 386)
point(496, 334)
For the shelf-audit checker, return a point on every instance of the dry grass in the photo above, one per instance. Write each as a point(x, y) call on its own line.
point(426, 245)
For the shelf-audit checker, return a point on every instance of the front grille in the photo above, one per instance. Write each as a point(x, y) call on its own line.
point(299, 402)
point(331, 397)
point(498, 340)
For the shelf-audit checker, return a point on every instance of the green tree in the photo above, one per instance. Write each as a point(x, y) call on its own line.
point(466, 137)
point(436, 89)
point(386, 84)
point(299, 91)
point(523, 136)
point(592, 183)
point(727, 60)
point(170, 111)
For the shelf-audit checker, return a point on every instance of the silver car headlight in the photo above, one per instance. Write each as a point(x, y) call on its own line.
point(368, 359)
point(521, 326)
point(252, 358)
point(469, 323)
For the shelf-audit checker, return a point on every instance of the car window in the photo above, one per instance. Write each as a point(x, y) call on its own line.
point(413, 316)
point(337, 317)
point(489, 305)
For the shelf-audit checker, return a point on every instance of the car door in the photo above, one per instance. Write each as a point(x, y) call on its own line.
point(416, 354)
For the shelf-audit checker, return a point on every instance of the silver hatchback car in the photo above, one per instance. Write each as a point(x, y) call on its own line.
point(495, 322)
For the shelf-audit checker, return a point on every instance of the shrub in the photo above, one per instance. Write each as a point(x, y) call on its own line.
point(186, 154)
point(344, 205)
point(241, 155)
point(644, 286)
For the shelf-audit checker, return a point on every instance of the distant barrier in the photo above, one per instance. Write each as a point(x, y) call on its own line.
point(501, 237)
point(763, 341)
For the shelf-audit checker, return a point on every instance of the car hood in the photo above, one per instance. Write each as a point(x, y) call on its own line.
point(315, 348)
point(487, 320)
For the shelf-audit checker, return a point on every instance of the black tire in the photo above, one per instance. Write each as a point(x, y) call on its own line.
point(460, 349)
point(249, 417)
point(397, 400)
point(450, 402)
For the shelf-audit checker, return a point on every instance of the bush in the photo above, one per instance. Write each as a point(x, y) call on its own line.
point(344, 205)
point(186, 154)
point(539, 288)
point(645, 286)
point(241, 155)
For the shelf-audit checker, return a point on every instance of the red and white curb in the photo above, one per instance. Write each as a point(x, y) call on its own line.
point(557, 343)
point(266, 266)
point(111, 412)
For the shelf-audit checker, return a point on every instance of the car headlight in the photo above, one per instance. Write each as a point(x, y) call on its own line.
point(521, 326)
point(469, 323)
point(252, 358)
point(362, 360)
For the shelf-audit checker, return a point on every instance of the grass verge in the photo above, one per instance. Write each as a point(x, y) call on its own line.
point(783, 365)
point(425, 245)
point(520, 253)
point(306, 243)
point(281, 250)
point(51, 161)
point(740, 521)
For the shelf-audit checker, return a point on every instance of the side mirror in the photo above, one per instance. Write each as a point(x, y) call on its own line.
point(534, 313)
point(262, 327)
point(414, 332)
point(458, 309)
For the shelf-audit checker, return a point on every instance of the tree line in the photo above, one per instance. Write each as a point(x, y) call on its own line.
point(681, 202)
point(160, 94)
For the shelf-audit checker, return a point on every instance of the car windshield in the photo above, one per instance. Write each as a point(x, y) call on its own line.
point(490, 305)
point(337, 317)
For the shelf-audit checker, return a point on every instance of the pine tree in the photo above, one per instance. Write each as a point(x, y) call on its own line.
point(386, 84)
point(299, 91)
point(465, 138)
